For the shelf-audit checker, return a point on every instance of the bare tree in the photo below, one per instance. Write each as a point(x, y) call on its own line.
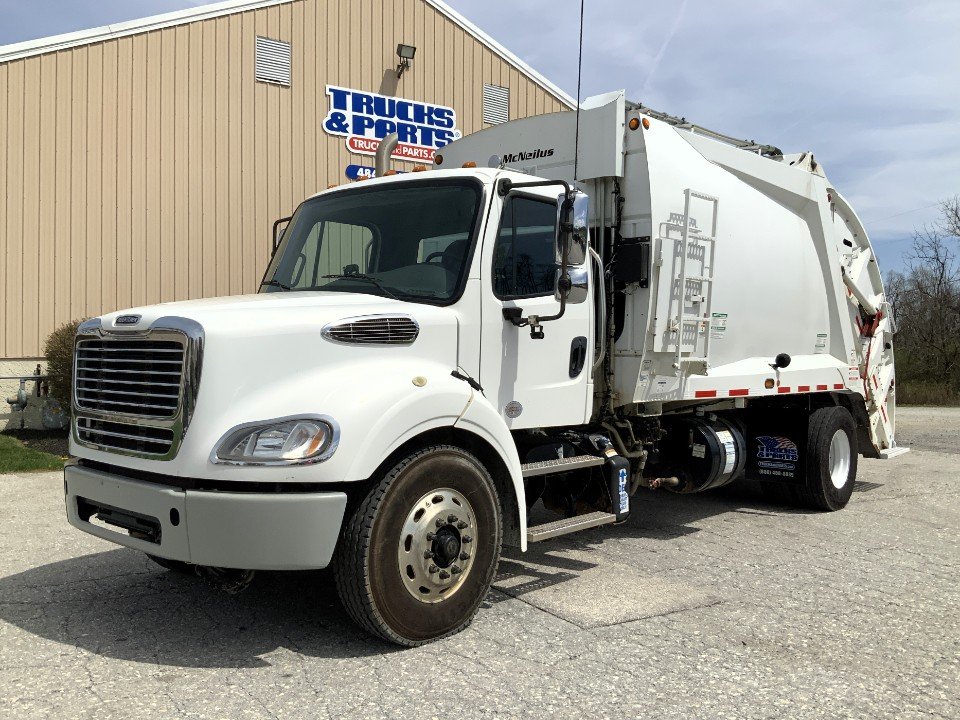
point(950, 222)
point(926, 302)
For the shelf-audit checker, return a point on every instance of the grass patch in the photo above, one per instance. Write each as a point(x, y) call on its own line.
point(16, 457)
point(913, 392)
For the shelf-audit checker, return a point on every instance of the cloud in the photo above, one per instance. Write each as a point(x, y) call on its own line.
point(869, 85)
point(663, 47)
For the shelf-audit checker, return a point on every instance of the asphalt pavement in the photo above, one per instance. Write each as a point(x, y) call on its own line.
point(716, 605)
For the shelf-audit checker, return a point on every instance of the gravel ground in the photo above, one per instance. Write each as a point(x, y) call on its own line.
point(706, 606)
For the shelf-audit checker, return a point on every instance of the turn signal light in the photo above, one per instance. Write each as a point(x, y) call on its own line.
point(634, 123)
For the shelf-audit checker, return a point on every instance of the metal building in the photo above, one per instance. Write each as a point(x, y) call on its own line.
point(146, 161)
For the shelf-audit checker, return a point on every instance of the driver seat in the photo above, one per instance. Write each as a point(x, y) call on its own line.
point(453, 255)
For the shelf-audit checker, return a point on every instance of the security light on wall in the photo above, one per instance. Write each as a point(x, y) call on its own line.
point(405, 53)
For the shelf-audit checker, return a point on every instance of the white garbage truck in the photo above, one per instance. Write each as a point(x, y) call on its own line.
point(565, 310)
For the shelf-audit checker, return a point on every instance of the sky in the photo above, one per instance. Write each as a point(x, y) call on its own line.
point(872, 87)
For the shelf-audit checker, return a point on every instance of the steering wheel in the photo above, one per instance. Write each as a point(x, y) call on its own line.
point(431, 256)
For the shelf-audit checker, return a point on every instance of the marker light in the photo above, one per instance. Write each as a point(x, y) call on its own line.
point(634, 123)
point(469, 164)
point(438, 159)
point(768, 383)
point(646, 123)
point(419, 168)
point(389, 172)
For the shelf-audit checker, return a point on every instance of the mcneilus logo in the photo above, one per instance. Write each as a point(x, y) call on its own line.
point(529, 155)
point(364, 119)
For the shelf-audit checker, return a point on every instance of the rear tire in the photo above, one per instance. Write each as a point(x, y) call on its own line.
point(831, 463)
point(405, 571)
point(831, 459)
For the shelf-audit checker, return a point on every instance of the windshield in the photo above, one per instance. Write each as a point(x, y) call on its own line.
point(409, 241)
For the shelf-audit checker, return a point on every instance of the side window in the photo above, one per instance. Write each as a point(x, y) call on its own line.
point(345, 246)
point(524, 262)
point(331, 248)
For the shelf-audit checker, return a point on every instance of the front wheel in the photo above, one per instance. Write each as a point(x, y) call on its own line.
point(419, 552)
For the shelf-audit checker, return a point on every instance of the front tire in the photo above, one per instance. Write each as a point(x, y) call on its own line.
point(419, 552)
point(178, 566)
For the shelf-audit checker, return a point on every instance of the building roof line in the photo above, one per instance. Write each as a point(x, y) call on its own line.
point(113, 31)
point(504, 54)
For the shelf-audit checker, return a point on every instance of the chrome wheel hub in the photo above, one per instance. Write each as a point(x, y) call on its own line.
point(435, 551)
point(839, 459)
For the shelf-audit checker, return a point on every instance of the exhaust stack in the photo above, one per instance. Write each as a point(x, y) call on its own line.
point(384, 151)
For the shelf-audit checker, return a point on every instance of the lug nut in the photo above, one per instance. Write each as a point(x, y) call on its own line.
point(444, 575)
point(430, 537)
point(432, 569)
point(455, 570)
point(427, 554)
point(464, 556)
point(461, 525)
point(440, 522)
point(451, 518)
point(466, 539)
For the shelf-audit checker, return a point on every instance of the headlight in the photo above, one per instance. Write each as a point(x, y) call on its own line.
point(284, 441)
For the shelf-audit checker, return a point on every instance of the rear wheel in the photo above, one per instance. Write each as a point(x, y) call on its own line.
point(831, 463)
point(831, 459)
point(419, 552)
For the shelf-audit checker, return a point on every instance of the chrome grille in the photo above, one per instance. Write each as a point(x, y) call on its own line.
point(135, 376)
point(126, 437)
point(374, 330)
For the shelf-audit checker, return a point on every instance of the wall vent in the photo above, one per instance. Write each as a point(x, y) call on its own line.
point(496, 104)
point(273, 61)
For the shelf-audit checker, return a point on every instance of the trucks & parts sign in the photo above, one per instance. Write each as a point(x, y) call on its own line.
point(365, 118)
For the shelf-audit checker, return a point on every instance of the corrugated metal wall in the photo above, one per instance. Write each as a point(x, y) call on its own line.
point(150, 168)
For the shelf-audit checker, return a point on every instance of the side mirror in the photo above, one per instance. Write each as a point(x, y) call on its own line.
point(572, 217)
point(278, 230)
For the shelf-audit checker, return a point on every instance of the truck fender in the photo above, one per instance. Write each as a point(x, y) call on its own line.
point(410, 411)
point(482, 419)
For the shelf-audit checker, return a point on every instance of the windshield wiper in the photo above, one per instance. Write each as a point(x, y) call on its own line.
point(275, 283)
point(361, 276)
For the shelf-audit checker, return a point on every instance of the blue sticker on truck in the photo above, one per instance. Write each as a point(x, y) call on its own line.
point(624, 497)
point(776, 454)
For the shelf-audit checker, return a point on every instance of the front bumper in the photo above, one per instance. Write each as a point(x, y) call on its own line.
point(254, 531)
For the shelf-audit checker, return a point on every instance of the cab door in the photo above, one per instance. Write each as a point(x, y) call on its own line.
point(534, 382)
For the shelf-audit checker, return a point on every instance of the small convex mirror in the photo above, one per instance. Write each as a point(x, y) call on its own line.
point(574, 242)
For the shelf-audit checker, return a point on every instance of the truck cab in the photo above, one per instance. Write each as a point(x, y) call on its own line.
point(430, 354)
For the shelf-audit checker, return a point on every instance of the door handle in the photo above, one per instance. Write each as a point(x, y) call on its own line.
point(578, 355)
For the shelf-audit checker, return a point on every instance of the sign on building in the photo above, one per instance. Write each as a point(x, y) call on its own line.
point(365, 118)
